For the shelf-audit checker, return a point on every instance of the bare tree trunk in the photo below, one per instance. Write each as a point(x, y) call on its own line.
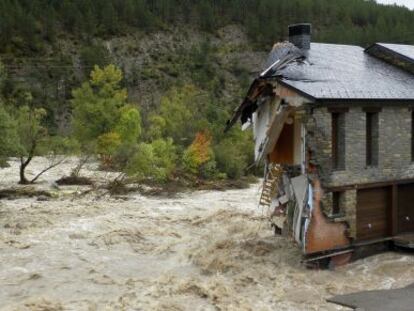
point(23, 165)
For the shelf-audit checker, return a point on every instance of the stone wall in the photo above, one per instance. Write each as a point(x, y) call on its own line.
point(394, 153)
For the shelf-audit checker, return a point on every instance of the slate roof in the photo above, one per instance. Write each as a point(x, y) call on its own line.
point(334, 72)
point(398, 55)
point(340, 72)
point(402, 49)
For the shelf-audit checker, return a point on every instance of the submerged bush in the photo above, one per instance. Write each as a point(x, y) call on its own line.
point(155, 161)
point(234, 154)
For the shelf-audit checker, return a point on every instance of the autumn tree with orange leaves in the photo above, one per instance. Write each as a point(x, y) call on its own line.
point(198, 153)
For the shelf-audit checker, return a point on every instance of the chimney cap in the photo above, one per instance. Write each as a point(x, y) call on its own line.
point(300, 29)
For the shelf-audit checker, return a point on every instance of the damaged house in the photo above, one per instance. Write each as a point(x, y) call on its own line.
point(334, 126)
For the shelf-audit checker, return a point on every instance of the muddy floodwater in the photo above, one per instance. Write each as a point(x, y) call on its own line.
point(205, 250)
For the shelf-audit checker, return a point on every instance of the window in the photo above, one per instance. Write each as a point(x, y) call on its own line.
point(338, 140)
point(336, 204)
point(372, 133)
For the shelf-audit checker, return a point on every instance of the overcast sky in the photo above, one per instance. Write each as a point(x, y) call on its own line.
point(407, 3)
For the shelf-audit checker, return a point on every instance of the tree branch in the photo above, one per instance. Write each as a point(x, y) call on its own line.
point(46, 169)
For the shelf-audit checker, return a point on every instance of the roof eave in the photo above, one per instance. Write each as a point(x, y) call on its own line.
point(405, 57)
point(365, 100)
point(296, 90)
point(333, 100)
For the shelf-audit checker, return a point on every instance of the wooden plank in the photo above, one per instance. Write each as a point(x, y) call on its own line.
point(330, 254)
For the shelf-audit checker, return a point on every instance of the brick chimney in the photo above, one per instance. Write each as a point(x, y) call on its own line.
point(300, 35)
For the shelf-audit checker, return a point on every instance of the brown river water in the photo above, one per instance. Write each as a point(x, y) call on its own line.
point(204, 250)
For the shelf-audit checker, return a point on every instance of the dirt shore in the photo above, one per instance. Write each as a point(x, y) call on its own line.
point(205, 250)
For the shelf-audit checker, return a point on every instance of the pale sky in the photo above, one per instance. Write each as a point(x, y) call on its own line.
point(407, 3)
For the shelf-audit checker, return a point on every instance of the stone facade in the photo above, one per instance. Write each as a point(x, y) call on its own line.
point(394, 152)
point(349, 209)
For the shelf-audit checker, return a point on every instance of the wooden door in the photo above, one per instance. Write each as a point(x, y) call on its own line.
point(405, 208)
point(373, 213)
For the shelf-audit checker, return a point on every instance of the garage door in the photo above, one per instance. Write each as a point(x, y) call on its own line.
point(373, 213)
point(406, 208)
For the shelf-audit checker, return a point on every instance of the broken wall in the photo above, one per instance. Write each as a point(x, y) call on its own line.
point(261, 122)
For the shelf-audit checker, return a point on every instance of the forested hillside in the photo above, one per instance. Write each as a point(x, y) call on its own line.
point(180, 67)
point(26, 25)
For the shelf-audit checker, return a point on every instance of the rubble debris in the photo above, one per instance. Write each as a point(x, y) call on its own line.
point(74, 180)
point(20, 192)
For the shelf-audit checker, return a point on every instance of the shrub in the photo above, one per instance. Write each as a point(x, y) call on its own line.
point(141, 165)
point(165, 158)
point(234, 154)
point(155, 161)
point(129, 124)
point(8, 136)
point(107, 146)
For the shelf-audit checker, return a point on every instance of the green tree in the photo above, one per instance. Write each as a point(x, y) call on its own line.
point(179, 115)
point(153, 161)
point(94, 55)
point(141, 165)
point(233, 154)
point(109, 18)
point(165, 158)
point(31, 134)
point(129, 125)
point(9, 140)
point(106, 147)
point(103, 121)
point(206, 13)
point(97, 106)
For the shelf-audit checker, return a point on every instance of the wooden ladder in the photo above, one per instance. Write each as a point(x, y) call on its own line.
point(270, 184)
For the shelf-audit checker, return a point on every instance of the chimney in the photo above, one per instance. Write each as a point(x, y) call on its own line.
point(300, 35)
